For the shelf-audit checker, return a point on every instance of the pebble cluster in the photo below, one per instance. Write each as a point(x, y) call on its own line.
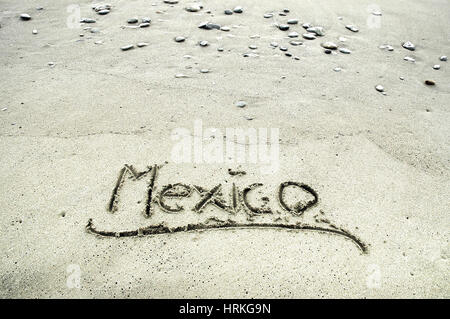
point(309, 32)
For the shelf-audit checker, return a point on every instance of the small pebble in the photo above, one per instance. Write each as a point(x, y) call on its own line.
point(146, 20)
point(379, 88)
point(337, 69)
point(308, 36)
point(386, 47)
point(142, 44)
point(443, 58)
point(283, 27)
point(204, 71)
point(193, 7)
point(171, 1)
point(250, 55)
point(292, 21)
point(376, 13)
point(329, 45)
point(241, 103)
point(295, 43)
point(4, 109)
point(228, 12)
point(238, 10)
point(103, 12)
point(268, 15)
point(352, 27)
point(286, 10)
point(220, 49)
point(273, 44)
point(288, 54)
point(25, 17)
point(429, 82)
point(345, 50)
point(436, 66)
point(35, 31)
point(144, 25)
point(252, 47)
point(179, 39)
point(409, 59)
point(132, 20)
point(180, 76)
point(283, 49)
point(87, 20)
point(203, 43)
point(127, 47)
point(327, 51)
point(306, 25)
point(317, 30)
point(101, 7)
point(225, 28)
point(293, 34)
point(209, 26)
point(409, 46)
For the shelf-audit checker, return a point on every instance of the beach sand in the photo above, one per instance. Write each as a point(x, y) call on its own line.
point(378, 163)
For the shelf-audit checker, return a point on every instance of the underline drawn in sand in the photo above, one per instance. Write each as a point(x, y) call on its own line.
point(239, 200)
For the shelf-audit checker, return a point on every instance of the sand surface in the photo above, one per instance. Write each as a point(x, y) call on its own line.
point(379, 163)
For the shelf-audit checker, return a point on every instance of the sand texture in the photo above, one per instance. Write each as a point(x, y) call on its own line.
point(74, 111)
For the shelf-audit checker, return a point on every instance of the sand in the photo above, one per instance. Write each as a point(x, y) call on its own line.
point(379, 163)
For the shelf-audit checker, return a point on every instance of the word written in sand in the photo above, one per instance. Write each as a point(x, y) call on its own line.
point(163, 196)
